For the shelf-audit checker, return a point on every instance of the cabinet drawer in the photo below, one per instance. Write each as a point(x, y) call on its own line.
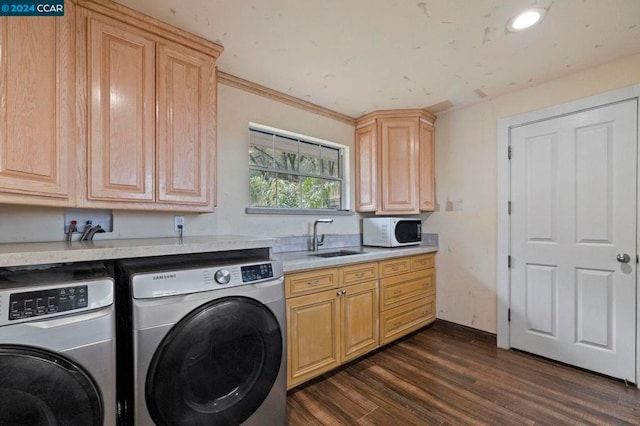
point(406, 287)
point(358, 273)
point(310, 282)
point(404, 319)
point(423, 261)
point(394, 266)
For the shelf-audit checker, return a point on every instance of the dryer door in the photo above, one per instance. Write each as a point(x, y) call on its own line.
point(38, 387)
point(216, 366)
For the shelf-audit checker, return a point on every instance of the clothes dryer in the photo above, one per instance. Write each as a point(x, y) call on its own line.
point(207, 340)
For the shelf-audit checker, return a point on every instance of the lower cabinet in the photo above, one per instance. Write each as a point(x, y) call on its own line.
point(407, 296)
point(327, 328)
point(313, 336)
point(401, 320)
point(335, 315)
point(359, 320)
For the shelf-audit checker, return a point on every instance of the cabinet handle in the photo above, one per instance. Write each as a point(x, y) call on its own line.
point(342, 292)
point(397, 324)
point(360, 274)
point(314, 282)
point(394, 268)
point(397, 292)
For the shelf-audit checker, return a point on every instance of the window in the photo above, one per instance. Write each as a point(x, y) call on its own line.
point(291, 171)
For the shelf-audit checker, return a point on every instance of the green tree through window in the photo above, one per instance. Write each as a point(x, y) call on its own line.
point(287, 172)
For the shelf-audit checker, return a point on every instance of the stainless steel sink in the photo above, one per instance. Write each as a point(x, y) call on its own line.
point(337, 253)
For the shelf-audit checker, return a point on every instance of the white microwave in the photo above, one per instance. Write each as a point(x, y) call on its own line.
point(391, 231)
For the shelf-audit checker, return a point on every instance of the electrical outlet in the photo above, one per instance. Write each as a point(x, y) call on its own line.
point(177, 222)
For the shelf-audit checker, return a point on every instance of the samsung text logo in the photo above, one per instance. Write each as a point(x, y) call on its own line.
point(164, 276)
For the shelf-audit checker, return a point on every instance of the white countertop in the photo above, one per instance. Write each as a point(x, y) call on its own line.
point(23, 254)
point(300, 260)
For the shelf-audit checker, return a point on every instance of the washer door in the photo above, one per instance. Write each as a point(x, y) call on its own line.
point(38, 387)
point(216, 366)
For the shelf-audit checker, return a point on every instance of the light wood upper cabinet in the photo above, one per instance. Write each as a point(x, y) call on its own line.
point(37, 109)
point(366, 168)
point(186, 95)
point(427, 167)
point(149, 138)
point(106, 107)
point(400, 145)
point(121, 146)
point(398, 165)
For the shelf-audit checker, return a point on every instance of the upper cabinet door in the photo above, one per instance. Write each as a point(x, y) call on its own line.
point(427, 168)
point(398, 165)
point(186, 125)
point(121, 78)
point(37, 108)
point(366, 168)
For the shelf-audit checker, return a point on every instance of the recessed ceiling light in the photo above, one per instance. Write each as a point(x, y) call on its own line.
point(526, 19)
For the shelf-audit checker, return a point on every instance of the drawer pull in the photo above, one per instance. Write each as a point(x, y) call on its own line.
point(397, 324)
point(397, 292)
point(360, 274)
point(394, 268)
point(423, 262)
point(314, 282)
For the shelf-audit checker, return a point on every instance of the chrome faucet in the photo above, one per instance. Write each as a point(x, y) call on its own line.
point(317, 243)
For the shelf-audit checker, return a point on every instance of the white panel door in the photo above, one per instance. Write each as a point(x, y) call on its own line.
point(573, 194)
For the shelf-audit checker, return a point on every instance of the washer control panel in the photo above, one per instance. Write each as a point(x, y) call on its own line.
point(43, 302)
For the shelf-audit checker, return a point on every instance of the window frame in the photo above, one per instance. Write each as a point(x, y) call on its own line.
point(344, 163)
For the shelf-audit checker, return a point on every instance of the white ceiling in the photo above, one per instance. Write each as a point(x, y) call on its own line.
point(355, 56)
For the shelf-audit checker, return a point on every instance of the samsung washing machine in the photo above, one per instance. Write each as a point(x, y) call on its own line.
point(57, 348)
point(207, 340)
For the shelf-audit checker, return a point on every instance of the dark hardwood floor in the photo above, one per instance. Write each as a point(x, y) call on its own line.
point(449, 374)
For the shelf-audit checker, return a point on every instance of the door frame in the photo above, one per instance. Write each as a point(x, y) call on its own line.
point(504, 190)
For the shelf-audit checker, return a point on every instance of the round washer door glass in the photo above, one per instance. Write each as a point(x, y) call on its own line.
point(40, 388)
point(216, 366)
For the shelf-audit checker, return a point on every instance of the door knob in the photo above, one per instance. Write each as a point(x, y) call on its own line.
point(623, 258)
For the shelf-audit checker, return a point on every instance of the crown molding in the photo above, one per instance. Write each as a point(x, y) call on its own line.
point(248, 86)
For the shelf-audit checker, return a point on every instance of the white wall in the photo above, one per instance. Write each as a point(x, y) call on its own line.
point(466, 186)
point(236, 108)
point(466, 218)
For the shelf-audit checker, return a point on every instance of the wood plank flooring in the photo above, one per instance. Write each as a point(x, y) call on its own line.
point(454, 375)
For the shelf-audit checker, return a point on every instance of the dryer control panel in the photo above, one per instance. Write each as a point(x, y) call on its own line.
point(257, 272)
point(149, 285)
